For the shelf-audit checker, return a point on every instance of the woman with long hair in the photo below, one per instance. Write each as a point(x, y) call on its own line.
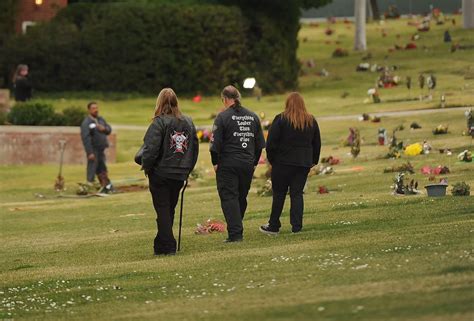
point(170, 152)
point(22, 86)
point(293, 147)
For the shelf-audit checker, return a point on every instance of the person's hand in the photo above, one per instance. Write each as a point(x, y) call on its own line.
point(101, 128)
point(91, 157)
point(215, 168)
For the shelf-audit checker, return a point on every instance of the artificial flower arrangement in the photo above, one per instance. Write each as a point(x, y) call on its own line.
point(331, 160)
point(461, 189)
point(210, 226)
point(402, 168)
point(266, 190)
point(400, 188)
point(414, 149)
point(204, 135)
point(339, 52)
point(465, 156)
point(440, 130)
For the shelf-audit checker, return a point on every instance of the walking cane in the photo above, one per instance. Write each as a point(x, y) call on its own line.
point(181, 214)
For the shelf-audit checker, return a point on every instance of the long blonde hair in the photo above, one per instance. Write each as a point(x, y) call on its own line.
point(167, 104)
point(296, 113)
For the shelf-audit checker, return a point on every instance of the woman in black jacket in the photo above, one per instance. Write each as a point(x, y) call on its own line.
point(170, 152)
point(22, 86)
point(293, 147)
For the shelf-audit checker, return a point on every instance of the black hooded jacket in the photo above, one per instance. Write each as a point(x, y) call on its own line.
point(170, 147)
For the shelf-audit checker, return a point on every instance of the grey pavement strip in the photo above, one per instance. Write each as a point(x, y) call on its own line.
point(333, 117)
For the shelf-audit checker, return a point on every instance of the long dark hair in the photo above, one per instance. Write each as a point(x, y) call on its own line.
point(167, 104)
point(19, 68)
point(230, 92)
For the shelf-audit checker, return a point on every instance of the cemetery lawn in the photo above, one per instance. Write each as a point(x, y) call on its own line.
point(323, 95)
point(363, 254)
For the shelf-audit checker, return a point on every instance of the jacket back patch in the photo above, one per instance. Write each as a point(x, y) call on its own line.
point(179, 142)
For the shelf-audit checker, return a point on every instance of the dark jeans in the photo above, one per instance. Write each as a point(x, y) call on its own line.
point(97, 166)
point(294, 178)
point(233, 184)
point(165, 194)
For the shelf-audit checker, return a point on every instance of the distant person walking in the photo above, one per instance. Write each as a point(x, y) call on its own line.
point(293, 147)
point(236, 146)
point(170, 152)
point(22, 86)
point(94, 132)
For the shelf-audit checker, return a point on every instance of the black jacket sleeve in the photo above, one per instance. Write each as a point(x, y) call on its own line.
point(86, 137)
point(259, 141)
point(216, 140)
point(196, 146)
point(152, 143)
point(316, 143)
point(273, 139)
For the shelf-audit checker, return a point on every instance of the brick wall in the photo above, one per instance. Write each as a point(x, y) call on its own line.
point(21, 145)
point(28, 10)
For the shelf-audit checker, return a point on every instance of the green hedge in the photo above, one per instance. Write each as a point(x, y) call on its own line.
point(146, 45)
point(40, 114)
point(127, 47)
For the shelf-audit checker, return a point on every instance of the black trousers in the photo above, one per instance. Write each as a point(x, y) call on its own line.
point(97, 166)
point(233, 184)
point(294, 178)
point(165, 194)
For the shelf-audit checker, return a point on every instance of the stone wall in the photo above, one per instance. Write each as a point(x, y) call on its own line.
point(20, 145)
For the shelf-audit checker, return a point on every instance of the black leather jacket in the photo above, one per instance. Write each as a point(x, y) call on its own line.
point(170, 147)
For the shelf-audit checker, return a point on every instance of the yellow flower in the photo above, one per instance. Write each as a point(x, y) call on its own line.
point(413, 149)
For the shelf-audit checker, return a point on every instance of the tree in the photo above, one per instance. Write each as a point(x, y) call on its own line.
point(360, 16)
point(468, 13)
point(375, 9)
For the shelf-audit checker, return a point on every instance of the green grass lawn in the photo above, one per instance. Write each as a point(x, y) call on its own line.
point(364, 254)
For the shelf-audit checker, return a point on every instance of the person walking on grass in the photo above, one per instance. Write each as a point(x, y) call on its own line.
point(236, 145)
point(170, 152)
point(293, 147)
point(94, 132)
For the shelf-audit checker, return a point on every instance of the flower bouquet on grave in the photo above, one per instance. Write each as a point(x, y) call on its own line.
point(465, 156)
point(414, 149)
point(210, 226)
point(265, 190)
point(321, 169)
point(400, 188)
point(403, 168)
point(415, 125)
point(355, 146)
point(440, 130)
point(339, 53)
point(330, 160)
point(323, 190)
point(461, 189)
point(87, 188)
